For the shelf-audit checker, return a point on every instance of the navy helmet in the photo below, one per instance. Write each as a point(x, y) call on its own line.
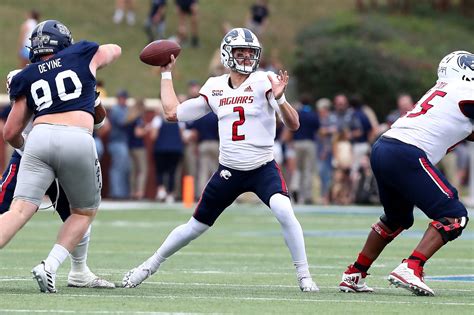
point(49, 37)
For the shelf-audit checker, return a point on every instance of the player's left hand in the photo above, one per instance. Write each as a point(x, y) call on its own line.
point(279, 85)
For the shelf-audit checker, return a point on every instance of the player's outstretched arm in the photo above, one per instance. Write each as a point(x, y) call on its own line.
point(289, 115)
point(17, 120)
point(105, 55)
point(169, 100)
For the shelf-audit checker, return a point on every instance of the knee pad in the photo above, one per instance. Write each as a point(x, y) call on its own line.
point(450, 231)
point(382, 230)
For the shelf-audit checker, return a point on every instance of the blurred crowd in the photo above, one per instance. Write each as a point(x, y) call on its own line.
point(327, 161)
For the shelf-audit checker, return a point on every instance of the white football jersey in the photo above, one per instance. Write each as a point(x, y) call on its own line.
point(436, 123)
point(247, 120)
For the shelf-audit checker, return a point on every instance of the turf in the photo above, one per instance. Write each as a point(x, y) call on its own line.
point(241, 266)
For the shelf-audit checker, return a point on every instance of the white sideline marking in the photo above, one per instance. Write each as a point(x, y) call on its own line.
point(272, 299)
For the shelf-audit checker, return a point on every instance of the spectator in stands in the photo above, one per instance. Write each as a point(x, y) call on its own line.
point(205, 131)
point(100, 87)
point(168, 152)
point(119, 117)
point(258, 17)
point(26, 29)
point(326, 133)
point(305, 148)
point(155, 24)
point(124, 8)
point(188, 8)
point(404, 104)
point(361, 129)
point(341, 188)
point(139, 166)
point(343, 113)
point(365, 188)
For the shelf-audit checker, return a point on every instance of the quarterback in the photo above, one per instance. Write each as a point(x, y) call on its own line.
point(403, 162)
point(245, 102)
point(58, 90)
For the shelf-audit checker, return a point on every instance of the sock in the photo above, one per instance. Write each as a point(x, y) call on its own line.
point(79, 254)
point(418, 256)
point(292, 233)
point(177, 239)
point(363, 262)
point(56, 257)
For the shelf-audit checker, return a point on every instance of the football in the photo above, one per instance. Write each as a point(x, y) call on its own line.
point(99, 114)
point(158, 53)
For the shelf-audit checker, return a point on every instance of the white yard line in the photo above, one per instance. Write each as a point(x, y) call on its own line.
point(249, 298)
point(233, 285)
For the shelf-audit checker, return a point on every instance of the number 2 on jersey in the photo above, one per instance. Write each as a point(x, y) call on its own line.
point(237, 123)
point(426, 106)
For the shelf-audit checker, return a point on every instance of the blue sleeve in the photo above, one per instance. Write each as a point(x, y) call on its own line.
point(5, 112)
point(18, 86)
point(467, 108)
point(86, 49)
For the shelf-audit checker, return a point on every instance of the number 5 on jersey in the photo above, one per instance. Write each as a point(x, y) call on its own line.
point(426, 106)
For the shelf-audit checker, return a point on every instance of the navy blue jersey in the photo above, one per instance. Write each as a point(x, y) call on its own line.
point(62, 83)
point(207, 127)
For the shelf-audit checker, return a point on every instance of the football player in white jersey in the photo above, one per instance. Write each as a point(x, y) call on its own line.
point(403, 162)
point(245, 102)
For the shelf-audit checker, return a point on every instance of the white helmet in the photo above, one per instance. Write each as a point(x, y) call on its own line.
point(240, 38)
point(458, 65)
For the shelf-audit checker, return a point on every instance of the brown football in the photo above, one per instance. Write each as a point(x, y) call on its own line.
point(99, 114)
point(158, 53)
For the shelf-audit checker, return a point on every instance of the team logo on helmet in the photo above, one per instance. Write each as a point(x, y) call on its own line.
point(62, 29)
point(230, 36)
point(466, 61)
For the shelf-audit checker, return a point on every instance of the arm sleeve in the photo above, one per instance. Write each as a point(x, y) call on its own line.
point(192, 109)
point(156, 122)
point(86, 49)
point(467, 108)
point(17, 87)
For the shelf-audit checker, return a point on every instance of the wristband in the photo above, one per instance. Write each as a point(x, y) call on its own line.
point(281, 100)
point(166, 75)
point(99, 125)
point(97, 102)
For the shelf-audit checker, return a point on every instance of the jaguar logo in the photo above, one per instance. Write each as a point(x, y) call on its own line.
point(230, 36)
point(225, 174)
point(466, 61)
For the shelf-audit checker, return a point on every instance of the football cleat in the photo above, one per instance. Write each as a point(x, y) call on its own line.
point(87, 279)
point(353, 281)
point(136, 276)
point(409, 275)
point(307, 285)
point(45, 277)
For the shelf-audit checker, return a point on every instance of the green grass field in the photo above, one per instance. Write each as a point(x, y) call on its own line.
point(241, 266)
